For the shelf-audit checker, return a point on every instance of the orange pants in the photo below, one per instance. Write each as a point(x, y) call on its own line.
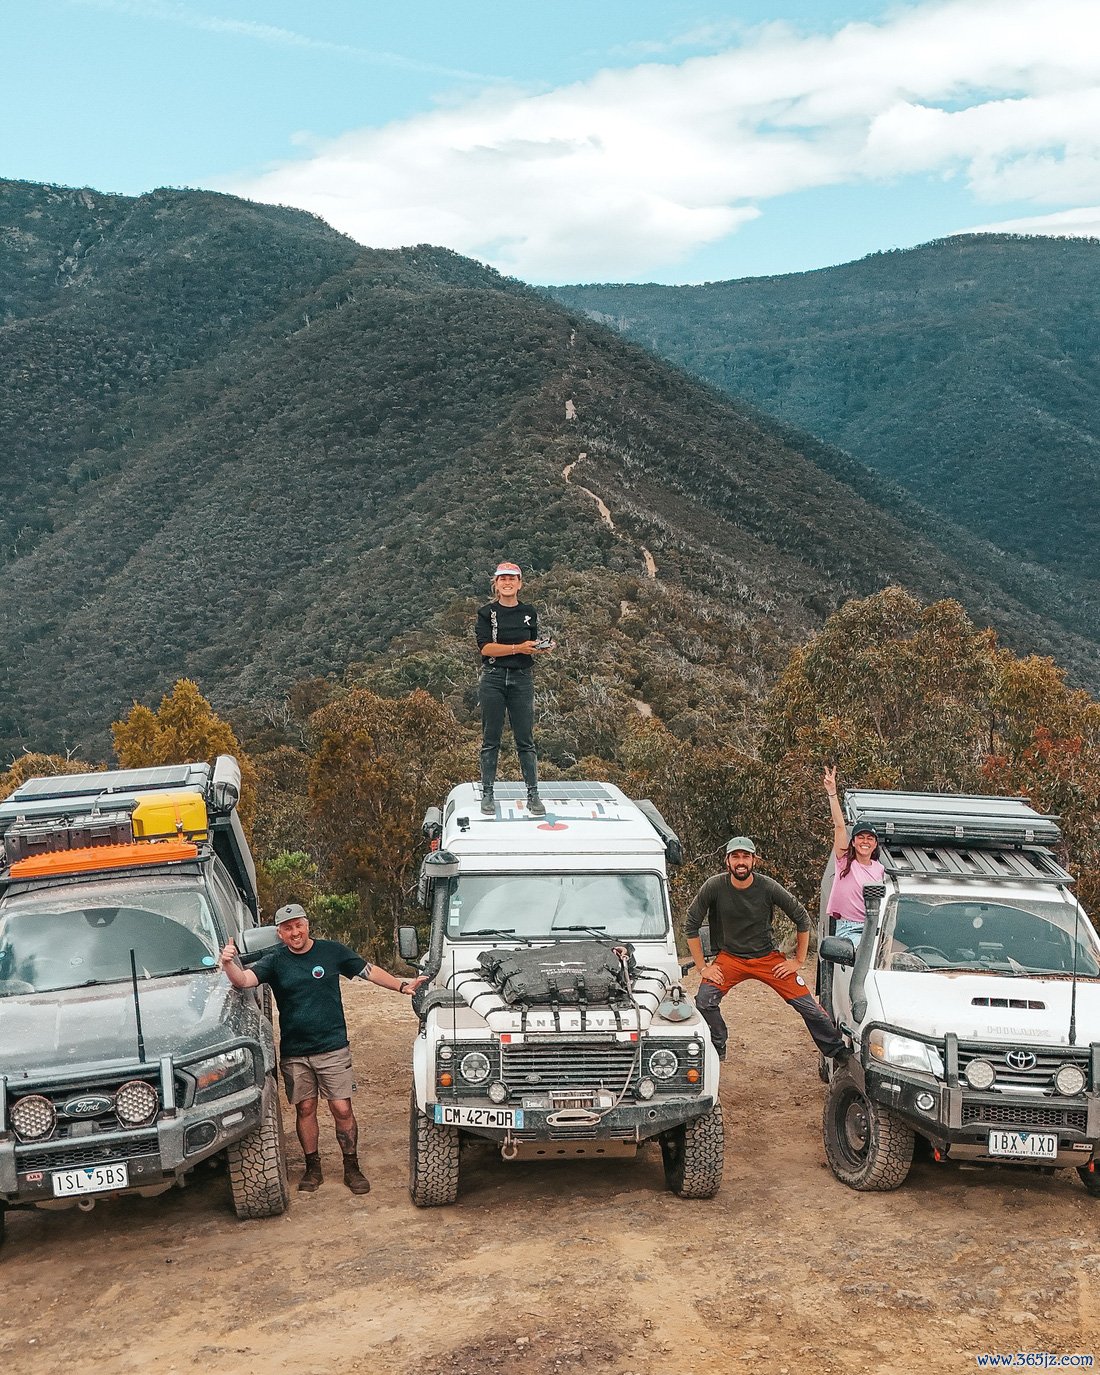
point(792, 988)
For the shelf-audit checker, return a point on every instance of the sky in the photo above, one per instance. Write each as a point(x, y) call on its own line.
point(578, 140)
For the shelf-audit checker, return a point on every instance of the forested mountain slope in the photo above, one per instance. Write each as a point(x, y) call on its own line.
point(242, 449)
point(967, 370)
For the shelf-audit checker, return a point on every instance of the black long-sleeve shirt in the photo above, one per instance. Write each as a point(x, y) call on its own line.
point(507, 625)
point(741, 918)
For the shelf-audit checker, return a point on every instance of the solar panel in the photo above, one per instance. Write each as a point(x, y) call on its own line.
point(562, 791)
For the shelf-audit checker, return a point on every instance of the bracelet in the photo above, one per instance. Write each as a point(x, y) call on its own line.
point(402, 985)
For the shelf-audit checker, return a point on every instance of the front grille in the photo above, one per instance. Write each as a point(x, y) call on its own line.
point(67, 1156)
point(1048, 1059)
point(569, 1064)
point(1025, 1115)
point(105, 1085)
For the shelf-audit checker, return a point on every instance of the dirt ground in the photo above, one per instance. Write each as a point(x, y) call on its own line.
point(572, 1267)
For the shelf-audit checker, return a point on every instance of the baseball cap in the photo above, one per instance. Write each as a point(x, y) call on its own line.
point(740, 843)
point(505, 568)
point(291, 912)
point(864, 828)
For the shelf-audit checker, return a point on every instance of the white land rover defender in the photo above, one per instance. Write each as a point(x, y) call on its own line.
point(554, 1022)
point(972, 996)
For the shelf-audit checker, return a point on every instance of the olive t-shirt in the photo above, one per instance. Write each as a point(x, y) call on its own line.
point(741, 918)
point(307, 992)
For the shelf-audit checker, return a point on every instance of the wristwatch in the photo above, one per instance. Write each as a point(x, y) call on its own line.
point(402, 985)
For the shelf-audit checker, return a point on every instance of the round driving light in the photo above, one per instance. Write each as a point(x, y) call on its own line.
point(979, 1074)
point(926, 1102)
point(444, 1052)
point(33, 1117)
point(1070, 1080)
point(663, 1064)
point(693, 1047)
point(474, 1067)
point(692, 1076)
point(497, 1093)
point(136, 1103)
point(646, 1088)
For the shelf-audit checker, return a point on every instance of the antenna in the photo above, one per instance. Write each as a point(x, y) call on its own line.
point(137, 1005)
point(1073, 986)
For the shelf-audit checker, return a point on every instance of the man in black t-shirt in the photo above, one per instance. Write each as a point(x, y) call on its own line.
point(739, 906)
point(508, 639)
point(304, 977)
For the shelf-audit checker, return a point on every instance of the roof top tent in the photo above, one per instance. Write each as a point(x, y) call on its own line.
point(69, 797)
point(958, 836)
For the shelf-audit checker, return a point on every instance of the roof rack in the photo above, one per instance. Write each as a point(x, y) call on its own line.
point(982, 865)
point(952, 819)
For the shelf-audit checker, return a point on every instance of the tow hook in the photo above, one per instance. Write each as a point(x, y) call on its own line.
point(509, 1147)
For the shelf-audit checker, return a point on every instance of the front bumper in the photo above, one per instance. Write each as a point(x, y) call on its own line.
point(629, 1122)
point(958, 1121)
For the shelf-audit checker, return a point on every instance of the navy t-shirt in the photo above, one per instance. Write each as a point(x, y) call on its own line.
point(506, 625)
point(307, 991)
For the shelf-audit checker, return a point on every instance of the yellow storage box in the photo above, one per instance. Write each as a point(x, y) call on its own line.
point(181, 815)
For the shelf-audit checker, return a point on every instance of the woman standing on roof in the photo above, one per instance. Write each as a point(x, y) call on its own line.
point(508, 639)
point(857, 864)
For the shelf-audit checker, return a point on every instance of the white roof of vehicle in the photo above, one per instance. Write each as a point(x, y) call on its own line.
point(582, 819)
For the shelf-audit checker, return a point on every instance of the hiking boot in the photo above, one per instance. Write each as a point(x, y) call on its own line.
point(313, 1178)
point(841, 1058)
point(488, 805)
point(535, 804)
point(354, 1177)
point(720, 1051)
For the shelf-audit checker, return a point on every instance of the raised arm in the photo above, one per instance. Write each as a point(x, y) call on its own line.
point(840, 830)
point(237, 975)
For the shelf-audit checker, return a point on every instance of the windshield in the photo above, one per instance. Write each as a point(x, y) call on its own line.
point(1000, 938)
point(71, 937)
point(557, 906)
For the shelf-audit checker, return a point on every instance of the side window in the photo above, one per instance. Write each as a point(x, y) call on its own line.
point(232, 913)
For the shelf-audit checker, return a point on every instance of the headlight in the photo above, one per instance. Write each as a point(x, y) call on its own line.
point(136, 1103)
point(474, 1067)
point(904, 1052)
point(498, 1093)
point(980, 1074)
point(33, 1117)
point(1070, 1080)
point(211, 1075)
point(663, 1064)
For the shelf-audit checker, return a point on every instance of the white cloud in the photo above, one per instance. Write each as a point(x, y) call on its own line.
point(1082, 223)
point(632, 170)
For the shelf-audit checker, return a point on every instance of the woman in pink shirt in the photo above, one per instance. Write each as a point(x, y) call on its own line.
point(857, 864)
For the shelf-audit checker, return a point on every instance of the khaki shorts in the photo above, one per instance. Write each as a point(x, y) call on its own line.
point(318, 1076)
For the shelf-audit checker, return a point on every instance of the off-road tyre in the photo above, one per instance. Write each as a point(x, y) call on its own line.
point(1091, 1181)
point(433, 1160)
point(868, 1147)
point(257, 1166)
point(693, 1156)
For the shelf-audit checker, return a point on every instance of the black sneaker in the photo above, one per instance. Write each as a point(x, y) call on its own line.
point(535, 805)
point(841, 1058)
point(720, 1051)
point(488, 804)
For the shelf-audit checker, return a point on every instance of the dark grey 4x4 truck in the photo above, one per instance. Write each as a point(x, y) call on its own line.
point(126, 1056)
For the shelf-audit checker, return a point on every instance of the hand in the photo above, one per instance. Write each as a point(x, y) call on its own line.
point(711, 974)
point(828, 777)
point(229, 952)
point(411, 985)
point(524, 647)
point(786, 966)
point(545, 646)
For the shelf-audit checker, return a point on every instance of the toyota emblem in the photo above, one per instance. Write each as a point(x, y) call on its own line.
point(1021, 1059)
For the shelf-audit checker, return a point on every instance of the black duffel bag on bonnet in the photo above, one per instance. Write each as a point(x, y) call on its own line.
point(579, 973)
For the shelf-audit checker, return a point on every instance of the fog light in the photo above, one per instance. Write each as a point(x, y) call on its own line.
point(136, 1103)
point(1070, 1080)
point(198, 1136)
point(926, 1102)
point(444, 1052)
point(497, 1093)
point(33, 1117)
point(693, 1047)
point(646, 1088)
point(979, 1074)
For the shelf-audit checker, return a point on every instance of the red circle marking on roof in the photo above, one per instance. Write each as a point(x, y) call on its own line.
point(553, 826)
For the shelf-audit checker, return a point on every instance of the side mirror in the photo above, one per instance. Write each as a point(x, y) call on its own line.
point(408, 947)
point(837, 950)
point(256, 941)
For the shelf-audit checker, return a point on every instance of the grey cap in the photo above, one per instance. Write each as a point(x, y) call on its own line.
point(291, 912)
point(741, 843)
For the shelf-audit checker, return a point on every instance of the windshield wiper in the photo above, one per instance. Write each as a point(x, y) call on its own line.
point(506, 931)
point(592, 930)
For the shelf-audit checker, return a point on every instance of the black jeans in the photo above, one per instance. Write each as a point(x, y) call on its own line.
point(510, 690)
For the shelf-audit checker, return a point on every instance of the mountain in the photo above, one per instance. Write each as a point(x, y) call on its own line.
point(242, 449)
point(967, 371)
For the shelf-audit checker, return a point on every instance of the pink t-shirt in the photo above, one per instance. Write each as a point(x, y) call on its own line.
point(846, 899)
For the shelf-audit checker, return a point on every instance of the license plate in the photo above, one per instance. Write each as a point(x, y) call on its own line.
point(1024, 1145)
point(449, 1115)
point(91, 1179)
